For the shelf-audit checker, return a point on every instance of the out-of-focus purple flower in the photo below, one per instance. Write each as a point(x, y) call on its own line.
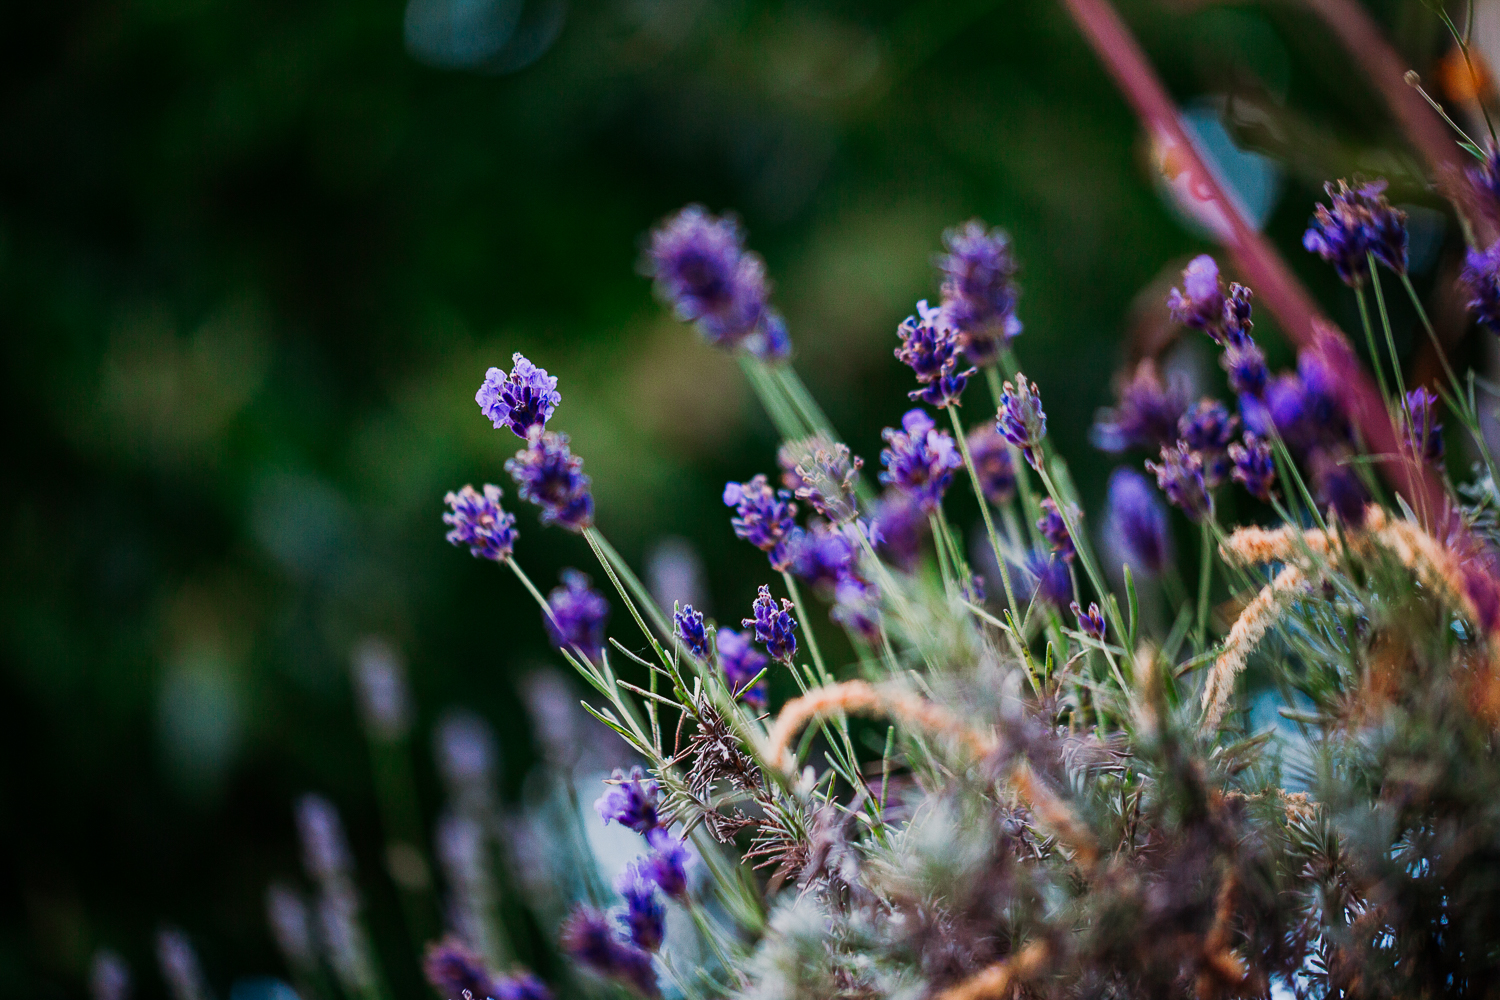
point(645, 918)
point(1254, 467)
point(1338, 486)
point(630, 800)
point(741, 662)
point(1358, 221)
point(380, 686)
point(587, 937)
point(578, 615)
point(325, 852)
point(109, 977)
point(703, 269)
point(823, 555)
point(857, 606)
point(1486, 180)
point(464, 749)
point(479, 522)
point(1245, 364)
point(900, 526)
point(667, 863)
point(1208, 428)
point(991, 455)
point(1147, 414)
point(1304, 408)
point(1090, 622)
point(523, 400)
point(1021, 419)
point(930, 346)
point(1054, 528)
point(979, 290)
point(1200, 302)
point(920, 459)
point(691, 630)
point(521, 985)
point(823, 473)
point(772, 627)
point(764, 517)
point(1424, 434)
point(1136, 522)
point(1481, 276)
point(548, 474)
point(452, 969)
point(1180, 476)
point(291, 926)
point(1054, 585)
point(179, 965)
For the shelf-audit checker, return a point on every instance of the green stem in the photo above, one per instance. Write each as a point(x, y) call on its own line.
point(823, 677)
point(1364, 318)
point(984, 507)
point(1205, 564)
point(1385, 321)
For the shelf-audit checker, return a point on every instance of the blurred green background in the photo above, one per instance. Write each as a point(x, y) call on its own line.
point(255, 258)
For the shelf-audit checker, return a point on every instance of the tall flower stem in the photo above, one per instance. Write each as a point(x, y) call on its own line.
point(984, 507)
point(1375, 365)
point(1390, 337)
point(1205, 570)
point(823, 676)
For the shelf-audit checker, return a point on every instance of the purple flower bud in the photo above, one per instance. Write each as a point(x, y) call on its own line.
point(1090, 622)
point(823, 473)
point(549, 475)
point(1147, 414)
point(325, 852)
point(1338, 486)
point(702, 268)
point(667, 863)
point(645, 918)
point(691, 630)
point(920, 459)
point(380, 685)
point(1254, 467)
point(991, 455)
point(291, 926)
point(453, 969)
point(764, 517)
point(465, 750)
point(521, 985)
point(1200, 302)
point(578, 615)
point(741, 662)
point(1208, 428)
point(823, 555)
point(1021, 419)
point(979, 290)
point(587, 937)
point(109, 977)
point(523, 400)
point(857, 606)
point(1053, 584)
point(772, 627)
point(1136, 522)
point(1481, 276)
point(1055, 529)
point(1424, 434)
point(1245, 364)
point(931, 347)
point(1358, 222)
point(899, 527)
point(179, 965)
point(479, 522)
point(630, 800)
point(1180, 476)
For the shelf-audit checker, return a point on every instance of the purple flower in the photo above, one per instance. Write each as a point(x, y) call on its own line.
point(772, 627)
point(920, 459)
point(578, 615)
point(1359, 221)
point(645, 918)
point(741, 662)
point(857, 606)
point(521, 986)
point(109, 977)
point(822, 555)
point(1208, 428)
point(1200, 302)
point(1147, 414)
point(1021, 419)
point(523, 400)
point(479, 523)
point(1481, 276)
point(1054, 585)
point(899, 527)
point(1424, 434)
point(1246, 365)
point(587, 937)
point(764, 517)
point(667, 863)
point(690, 629)
point(823, 473)
point(452, 969)
point(991, 455)
point(979, 291)
point(1055, 529)
point(630, 800)
point(702, 268)
point(1303, 408)
point(1090, 622)
point(1254, 468)
point(1180, 476)
point(1136, 522)
point(1338, 486)
point(550, 476)
point(325, 851)
point(930, 346)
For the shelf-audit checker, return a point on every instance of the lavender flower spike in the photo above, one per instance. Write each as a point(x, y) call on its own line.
point(578, 614)
point(109, 977)
point(741, 662)
point(1090, 622)
point(667, 863)
point(479, 522)
point(1054, 528)
point(453, 969)
point(1208, 428)
point(587, 937)
point(1021, 419)
point(630, 800)
point(931, 348)
point(180, 966)
point(991, 454)
point(549, 475)
point(1180, 476)
point(920, 460)
point(291, 926)
point(1254, 468)
point(979, 291)
point(1136, 523)
point(523, 400)
point(1053, 586)
point(1481, 276)
point(1200, 302)
point(325, 852)
point(1147, 414)
point(823, 473)
point(772, 627)
point(1359, 221)
point(764, 517)
point(1424, 434)
point(691, 630)
point(645, 918)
